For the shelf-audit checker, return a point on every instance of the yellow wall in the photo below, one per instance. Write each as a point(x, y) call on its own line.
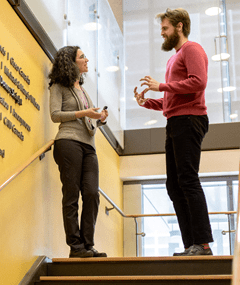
point(30, 206)
point(154, 166)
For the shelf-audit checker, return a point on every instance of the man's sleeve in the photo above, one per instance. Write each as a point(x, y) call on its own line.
point(196, 62)
point(154, 104)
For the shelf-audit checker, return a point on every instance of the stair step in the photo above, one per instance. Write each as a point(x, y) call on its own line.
point(114, 266)
point(174, 270)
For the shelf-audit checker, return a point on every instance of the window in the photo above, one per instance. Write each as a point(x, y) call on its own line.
point(163, 236)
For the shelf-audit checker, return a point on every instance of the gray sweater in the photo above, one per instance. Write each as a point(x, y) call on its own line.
point(63, 105)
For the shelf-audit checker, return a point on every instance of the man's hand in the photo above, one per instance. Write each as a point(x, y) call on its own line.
point(139, 97)
point(152, 84)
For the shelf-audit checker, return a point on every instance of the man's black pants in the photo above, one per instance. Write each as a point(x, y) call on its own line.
point(184, 135)
point(78, 166)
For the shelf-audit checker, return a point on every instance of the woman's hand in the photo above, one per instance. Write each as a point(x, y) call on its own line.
point(104, 115)
point(152, 84)
point(91, 113)
point(139, 97)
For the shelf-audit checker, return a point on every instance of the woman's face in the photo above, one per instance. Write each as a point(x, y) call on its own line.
point(81, 61)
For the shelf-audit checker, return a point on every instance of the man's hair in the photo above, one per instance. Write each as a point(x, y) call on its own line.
point(176, 16)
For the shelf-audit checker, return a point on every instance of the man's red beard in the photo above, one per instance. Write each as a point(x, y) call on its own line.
point(171, 41)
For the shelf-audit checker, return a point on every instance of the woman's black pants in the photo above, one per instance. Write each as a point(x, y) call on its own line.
point(78, 166)
point(184, 135)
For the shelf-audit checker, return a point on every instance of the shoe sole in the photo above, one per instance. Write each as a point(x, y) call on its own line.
point(100, 255)
point(84, 255)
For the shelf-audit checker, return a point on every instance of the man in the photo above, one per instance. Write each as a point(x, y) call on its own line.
point(187, 123)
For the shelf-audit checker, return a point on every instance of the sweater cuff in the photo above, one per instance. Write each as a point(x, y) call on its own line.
point(159, 87)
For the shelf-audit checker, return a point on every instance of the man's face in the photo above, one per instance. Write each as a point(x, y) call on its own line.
point(170, 35)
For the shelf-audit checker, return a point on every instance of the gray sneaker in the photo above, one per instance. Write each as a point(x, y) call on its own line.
point(185, 252)
point(197, 249)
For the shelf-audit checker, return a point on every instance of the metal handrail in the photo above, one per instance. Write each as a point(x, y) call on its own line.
point(174, 214)
point(236, 256)
point(38, 154)
point(114, 206)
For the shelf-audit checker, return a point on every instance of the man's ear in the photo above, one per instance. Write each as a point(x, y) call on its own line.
point(180, 27)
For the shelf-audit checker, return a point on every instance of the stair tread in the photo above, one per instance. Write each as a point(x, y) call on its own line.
point(154, 277)
point(145, 259)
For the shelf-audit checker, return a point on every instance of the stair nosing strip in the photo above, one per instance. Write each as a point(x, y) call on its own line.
point(140, 259)
point(137, 277)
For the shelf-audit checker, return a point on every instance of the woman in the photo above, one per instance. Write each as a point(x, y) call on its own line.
point(74, 148)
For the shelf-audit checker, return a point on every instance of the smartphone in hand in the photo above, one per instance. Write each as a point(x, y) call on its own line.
point(104, 108)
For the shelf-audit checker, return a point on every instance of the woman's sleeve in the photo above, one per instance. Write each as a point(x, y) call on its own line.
point(56, 112)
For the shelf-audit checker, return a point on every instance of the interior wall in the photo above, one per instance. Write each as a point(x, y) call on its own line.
point(132, 196)
point(30, 206)
point(154, 167)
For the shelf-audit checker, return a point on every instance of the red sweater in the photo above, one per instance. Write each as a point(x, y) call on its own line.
point(186, 80)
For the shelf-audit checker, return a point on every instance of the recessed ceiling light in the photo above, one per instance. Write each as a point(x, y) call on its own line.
point(113, 68)
point(151, 122)
point(92, 26)
point(233, 116)
point(213, 11)
point(227, 89)
point(222, 56)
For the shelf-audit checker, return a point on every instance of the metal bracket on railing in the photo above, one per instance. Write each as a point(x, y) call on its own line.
point(107, 210)
point(227, 232)
point(43, 154)
point(141, 234)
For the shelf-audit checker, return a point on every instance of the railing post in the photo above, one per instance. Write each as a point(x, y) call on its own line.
point(229, 230)
point(236, 257)
point(136, 223)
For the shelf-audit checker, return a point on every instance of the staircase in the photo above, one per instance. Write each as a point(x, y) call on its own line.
point(204, 270)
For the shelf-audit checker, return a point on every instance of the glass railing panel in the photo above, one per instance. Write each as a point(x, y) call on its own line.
point(111, 69)
point(82, 31)
point(235, 194)
point(50, 15)
point(162, 236)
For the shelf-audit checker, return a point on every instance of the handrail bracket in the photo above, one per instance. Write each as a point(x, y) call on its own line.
point(107, 210)
point(41, 157)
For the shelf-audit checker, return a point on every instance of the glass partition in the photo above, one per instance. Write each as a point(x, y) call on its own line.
point(82, 31)
point(214, 25)
point(111, 68)
point(52, 17)
point(92, 26)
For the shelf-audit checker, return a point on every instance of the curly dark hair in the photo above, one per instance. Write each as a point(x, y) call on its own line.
point(64, 70)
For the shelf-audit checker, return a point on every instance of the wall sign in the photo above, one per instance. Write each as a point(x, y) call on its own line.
point(9, 95)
